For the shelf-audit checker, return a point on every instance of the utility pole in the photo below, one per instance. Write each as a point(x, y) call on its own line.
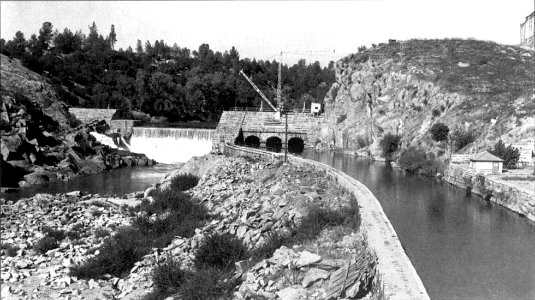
point(282, 108)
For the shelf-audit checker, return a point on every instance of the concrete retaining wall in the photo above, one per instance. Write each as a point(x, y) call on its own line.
point(493, 189)
point(122, 126)
point(89, 114)
point(399, 276)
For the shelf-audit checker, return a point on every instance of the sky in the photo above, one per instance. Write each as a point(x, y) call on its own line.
point(314, 30)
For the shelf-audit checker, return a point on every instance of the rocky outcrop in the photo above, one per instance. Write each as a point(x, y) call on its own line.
point(406, 87)
point(38, 143)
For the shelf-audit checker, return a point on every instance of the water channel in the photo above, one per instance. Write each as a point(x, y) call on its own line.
point(461, 246)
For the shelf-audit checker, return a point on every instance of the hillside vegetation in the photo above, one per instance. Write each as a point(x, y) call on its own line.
point(476, 87)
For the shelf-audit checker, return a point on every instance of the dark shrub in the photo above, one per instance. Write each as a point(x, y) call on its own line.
point(56, 234)
point(207, 284)
point(435, 113)
point(272, 242)
point(315, 220)
point(439, 132)
point(168, 276)
point(73, 121)
point(9, 249)
point(412, 159)
point(389, 144)
point(73, 235)
point(219, 251)
point(45, 243)
point(117, 255)
point(184, 182)
point(461, 138)
point(509, 154)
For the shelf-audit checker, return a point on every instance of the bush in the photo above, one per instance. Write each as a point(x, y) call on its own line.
point(100, 233)
point(509, 154)
point(45, 244)
point(439, 132)
point(207, 284)
point(412, 159)
point(461, 138)
point(219, 251)
point(117, 255)
point(56, 234)
point(73, 235)
point(389, 144)
point(9, 249)
point(168, 276)
point(184, 182)
point(435, 113)
point(73, 121)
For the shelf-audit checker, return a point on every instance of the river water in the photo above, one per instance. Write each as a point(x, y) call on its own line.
point(116, 182)
point(461, 246)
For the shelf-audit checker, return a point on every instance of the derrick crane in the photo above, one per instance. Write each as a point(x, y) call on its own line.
point(258, 91)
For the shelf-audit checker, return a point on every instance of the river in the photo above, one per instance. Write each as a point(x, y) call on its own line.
point(461, 246)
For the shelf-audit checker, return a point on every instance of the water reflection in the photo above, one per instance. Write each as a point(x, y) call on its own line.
point(461, 246)
point(116, 182)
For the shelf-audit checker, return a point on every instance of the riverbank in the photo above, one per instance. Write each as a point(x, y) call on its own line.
point(250, 199)
point(495, 188)
point(399, 276)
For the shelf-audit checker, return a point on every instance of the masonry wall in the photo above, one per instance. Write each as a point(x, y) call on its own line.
point(89, 114)
point(493, 189)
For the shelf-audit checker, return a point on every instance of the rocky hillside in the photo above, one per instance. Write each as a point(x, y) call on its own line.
point(40, 140)
point(405, 87)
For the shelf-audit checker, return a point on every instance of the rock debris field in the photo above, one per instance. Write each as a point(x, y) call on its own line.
point(254, 200)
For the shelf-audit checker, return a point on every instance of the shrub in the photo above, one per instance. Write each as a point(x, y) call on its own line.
point(9, 249)
point(272, 242)
point(219, 251)
point(45, 244)
point(207, 284)
point(56, 234)
point(461, 138)
point(117, 255)
point(168, 276)
point(412, 159)
point(73, 121)
point(439, 132)
point(509, 154)
point(184, 182)
point(100, 233)
point(435, 113)
point(389, 144)
point(73, 235)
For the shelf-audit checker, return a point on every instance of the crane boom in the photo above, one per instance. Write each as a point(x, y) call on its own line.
point(258, 90)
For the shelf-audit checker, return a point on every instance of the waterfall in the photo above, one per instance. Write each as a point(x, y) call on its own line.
point(171, 145)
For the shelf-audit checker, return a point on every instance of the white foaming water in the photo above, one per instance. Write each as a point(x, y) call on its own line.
point(171, 145)
point(104, 139)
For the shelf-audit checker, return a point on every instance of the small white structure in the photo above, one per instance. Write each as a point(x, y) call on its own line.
point(486, 163)
point(526, 147)
point(315, 108)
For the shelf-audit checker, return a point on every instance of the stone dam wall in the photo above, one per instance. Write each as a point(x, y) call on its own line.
point(492, 189)
point(398, 274)
point(254, 123)
point(86, 115)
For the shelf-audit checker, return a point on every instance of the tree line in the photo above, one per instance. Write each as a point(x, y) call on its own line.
point(158, 79)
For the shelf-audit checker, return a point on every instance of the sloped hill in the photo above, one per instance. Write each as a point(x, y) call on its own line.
point(405, 87)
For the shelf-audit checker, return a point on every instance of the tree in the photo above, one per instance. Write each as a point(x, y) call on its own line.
point(389, 144)
point(45, 35)
point(412, 159)
point(509, 154)
point(439, 132)
point(240, 141)
point(460, 138)
point(139, 47)
point(67, 42)
point(112, 38)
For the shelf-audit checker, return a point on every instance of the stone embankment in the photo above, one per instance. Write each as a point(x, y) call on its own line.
point(494, 189)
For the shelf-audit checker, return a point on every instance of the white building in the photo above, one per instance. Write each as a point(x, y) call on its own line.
point(526, 148)
point(486, 163)
point(527, 30)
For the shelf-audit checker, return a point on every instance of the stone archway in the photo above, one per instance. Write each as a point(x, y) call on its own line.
point(296, 145)
point(252, 141)
point(274, 144)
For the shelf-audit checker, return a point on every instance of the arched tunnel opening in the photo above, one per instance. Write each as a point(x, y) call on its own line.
point(252, 141)
point(296, 145)
point(274, 144)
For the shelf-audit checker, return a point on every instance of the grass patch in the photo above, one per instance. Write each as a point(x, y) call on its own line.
point(184, 182)
point(9, 249)
point(219, 251)
point(168, 276)
point(45, 244)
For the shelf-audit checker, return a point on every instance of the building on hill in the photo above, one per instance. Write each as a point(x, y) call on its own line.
point(486, 163)
point(527, 31)
point(526, 147)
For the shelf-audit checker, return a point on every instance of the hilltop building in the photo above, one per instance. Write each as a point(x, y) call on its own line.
point(526, 147)
point(486, 163)
point(527, 30)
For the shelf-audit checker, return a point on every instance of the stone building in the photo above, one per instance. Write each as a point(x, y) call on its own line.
point(486, 163)
point(527, 30)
